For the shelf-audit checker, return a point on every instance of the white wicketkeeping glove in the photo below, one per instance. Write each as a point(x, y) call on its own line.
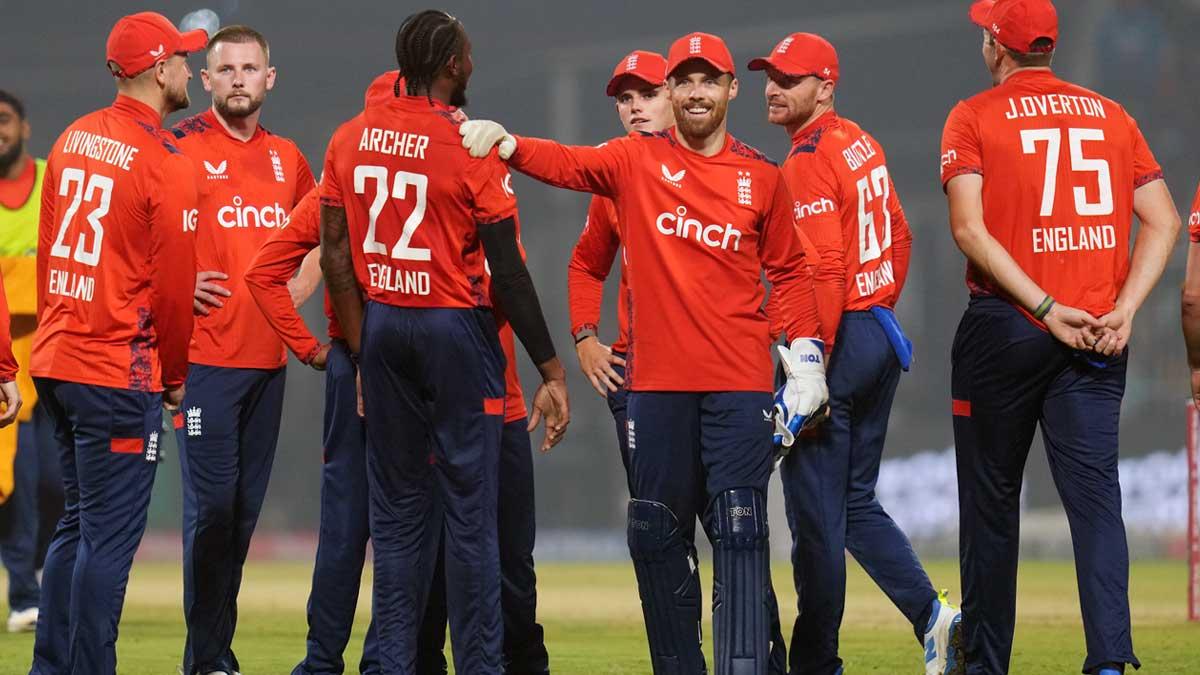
point(479, 136)
point(805, 391)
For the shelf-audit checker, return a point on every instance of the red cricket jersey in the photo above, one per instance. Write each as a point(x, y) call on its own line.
point(1194, 219)
point(247, 189)
point(116, 255)
point(590, 264)
point(8, 362)
point(275, 263)
point(698, 233)
point(413, 198)
point(1059, 165)
point(846, 203)
point(280, 258)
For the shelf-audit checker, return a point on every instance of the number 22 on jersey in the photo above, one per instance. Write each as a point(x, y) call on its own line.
point(402, 180)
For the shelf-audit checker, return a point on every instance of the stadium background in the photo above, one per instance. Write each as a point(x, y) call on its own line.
point(540, 68)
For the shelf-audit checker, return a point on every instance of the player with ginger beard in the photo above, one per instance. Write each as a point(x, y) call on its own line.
point(249, 180)
point(846, 203)
point(698, 437)
point(115, 282)
point(1043, 178)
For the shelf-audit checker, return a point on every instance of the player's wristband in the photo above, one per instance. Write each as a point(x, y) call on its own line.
point(1043, 309)
point(584, 333)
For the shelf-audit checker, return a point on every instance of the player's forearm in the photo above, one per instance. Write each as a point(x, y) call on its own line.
point(337, 266)
point(797, 308)
point(513, 291)
point(585, 296)
point(901, 255)
point(1191, 306)
point(1153, 245)
point(309, 275)
point(964, 195)
point(572, 167)
point(267, 281)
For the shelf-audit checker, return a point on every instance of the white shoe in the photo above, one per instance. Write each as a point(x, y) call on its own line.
point(24, 621)
point(943, 639)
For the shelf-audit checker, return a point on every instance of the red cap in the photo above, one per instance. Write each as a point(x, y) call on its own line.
point(648, 67)
point(384, 88)
point(703, 46)
point(139, 41)
point(1018, 23)
point(801, 54)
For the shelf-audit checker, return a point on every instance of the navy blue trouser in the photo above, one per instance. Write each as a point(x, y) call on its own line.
point(226, 448)
point(32, 511)
point(433, 381)
point(1008, 377)
point(686, 449)
point(344, 530)
point(108, 441)
point(618, 406)
point(19, 534)
point(524, 640)
point(829, 489)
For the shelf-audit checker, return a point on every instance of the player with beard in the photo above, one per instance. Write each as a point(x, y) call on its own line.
point(115, 285)
point(249, 180)
point(701, 217)
point(846, 204)
point(410, 219)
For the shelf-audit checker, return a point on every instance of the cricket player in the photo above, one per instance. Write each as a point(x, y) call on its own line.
point(1191, 298)
point(638, 87)
point(249, 180)
point(701, 217)
point(406, 207)
point(846, 203)
point(1042, 178)
point(29, 480)
point(115, 282)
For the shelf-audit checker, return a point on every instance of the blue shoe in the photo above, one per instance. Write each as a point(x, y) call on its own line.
point(943, 639)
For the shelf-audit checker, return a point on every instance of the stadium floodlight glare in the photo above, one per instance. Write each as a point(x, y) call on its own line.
point(201, 18)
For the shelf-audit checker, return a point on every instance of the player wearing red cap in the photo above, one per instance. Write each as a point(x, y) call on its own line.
point(1042, 178)
point(844, 200)
point(249, 181)
point(1191, 298)
point(114, 281)
point(701, 216)
point(638, 86)
point(403, 204)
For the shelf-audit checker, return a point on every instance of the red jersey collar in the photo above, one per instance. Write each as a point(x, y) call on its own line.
point(674, 132)
point(815, 128)
point(15, 193)
point(419, 103)
point(1031, 73)
point(140, 112)
point(210, 118)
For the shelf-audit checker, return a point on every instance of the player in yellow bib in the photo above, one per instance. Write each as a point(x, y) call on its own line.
point(23, 478)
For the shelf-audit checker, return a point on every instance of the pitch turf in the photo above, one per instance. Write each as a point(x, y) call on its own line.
point(593, 621)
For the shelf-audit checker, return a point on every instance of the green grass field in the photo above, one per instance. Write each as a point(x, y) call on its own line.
point(594, 626)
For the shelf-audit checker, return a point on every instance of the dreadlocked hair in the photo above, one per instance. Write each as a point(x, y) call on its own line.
point(424, 44)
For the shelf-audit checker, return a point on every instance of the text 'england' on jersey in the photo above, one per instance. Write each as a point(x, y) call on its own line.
point(1060, 164)
point(413, 199)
